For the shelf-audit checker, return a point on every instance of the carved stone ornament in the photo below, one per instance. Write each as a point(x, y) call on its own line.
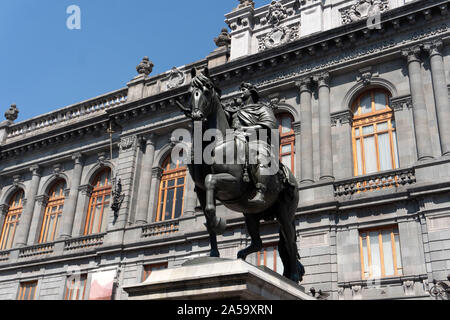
point(340, 118)
point(127, 142)
point(246, 3)
point(363, 9)
point(365, 75)
point(176, 78)
point(277, 12)
point(17, 180)
point(278, 36)
point(224, 38)
point(12, 113)
point(401, 103)
point(101, 160)
point(145, 67)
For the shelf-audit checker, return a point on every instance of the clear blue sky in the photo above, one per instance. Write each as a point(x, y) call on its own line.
point(45, 66)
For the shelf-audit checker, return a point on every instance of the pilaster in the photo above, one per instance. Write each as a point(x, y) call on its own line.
point(128, 147)
point(23, 228)
point(153, 205)
point(70, 204)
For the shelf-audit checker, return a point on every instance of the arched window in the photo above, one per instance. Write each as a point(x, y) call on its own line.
point(171, 191)
point(374, 134)
point(11, 220)
point(99, 203)
point(53, 212)
point(287, 140)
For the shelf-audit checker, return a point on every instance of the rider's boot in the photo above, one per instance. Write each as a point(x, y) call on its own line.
point(259, 197)
point(261, 187)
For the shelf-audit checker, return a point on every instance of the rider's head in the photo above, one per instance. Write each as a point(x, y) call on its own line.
point(248, 90)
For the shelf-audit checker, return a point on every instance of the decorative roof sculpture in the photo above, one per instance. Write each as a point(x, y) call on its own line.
point(363, 9)
point(224, 39)
point(277, 12)
point(12, 113)
point(246, 3)
point(145, 67)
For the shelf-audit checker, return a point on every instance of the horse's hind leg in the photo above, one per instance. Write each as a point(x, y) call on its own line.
point(212, 235)
point(284, 255)
point(252, 222)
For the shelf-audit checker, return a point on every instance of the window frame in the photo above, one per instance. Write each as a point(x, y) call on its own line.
point(12, 213)
point(170, 174)
point(373, 118)
point(53, 201)
point(97, 192)
point(287, 138)
point(157, 266)
point(69, 291)
point(273, 245)
point(23, 290)
point(394, 232)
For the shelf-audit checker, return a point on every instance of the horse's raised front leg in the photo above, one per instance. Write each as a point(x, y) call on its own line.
point(213, 183)
point(252, 222)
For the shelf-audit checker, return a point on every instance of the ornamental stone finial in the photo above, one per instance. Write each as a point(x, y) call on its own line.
point(224, 38)
point(245, 3)
point(145, 67)
point(12, 113)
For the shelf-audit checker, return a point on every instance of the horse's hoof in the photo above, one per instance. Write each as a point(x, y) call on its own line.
point(214, 254)
point(241, 255)
point(295, 277)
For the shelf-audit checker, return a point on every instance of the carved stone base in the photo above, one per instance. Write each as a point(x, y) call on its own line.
point(214, 278)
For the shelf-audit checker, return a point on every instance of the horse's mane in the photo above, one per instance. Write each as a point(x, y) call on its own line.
point(202, 80)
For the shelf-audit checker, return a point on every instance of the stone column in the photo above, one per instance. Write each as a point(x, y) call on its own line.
point(27, 215)
point(153, 201)
point(326, 156)
point(440, 93)
point(419, 107)
point(306, 153)
point(146, 180)
point(70, 204)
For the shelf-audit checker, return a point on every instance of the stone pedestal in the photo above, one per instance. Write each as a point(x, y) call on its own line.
point(214, 278)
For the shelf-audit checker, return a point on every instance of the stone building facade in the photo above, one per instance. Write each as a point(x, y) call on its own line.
point(361, 91)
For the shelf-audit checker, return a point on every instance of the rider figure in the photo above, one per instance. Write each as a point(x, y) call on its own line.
point(252, 115)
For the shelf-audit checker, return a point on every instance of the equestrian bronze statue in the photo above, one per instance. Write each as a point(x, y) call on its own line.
point(240, 185)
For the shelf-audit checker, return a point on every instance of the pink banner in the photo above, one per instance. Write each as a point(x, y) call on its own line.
point(102, 285)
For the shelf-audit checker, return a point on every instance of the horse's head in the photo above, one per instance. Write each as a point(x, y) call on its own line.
point(201, 96)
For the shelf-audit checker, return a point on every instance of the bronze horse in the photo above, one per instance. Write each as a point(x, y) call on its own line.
point(225, 183)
